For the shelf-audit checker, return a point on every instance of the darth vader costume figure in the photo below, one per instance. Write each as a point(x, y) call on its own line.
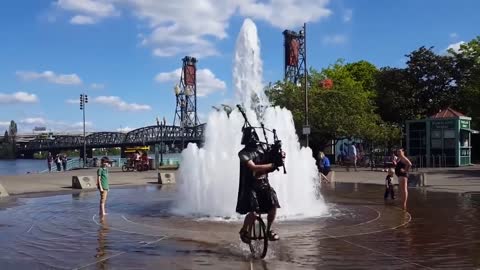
point(254, 193)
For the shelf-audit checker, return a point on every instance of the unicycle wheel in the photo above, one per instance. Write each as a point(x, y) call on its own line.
point(258, 238)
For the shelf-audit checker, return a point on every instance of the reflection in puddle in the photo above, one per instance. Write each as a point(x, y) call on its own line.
point(361, 232)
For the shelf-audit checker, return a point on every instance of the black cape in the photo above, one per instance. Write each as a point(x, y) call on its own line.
point(254, 195)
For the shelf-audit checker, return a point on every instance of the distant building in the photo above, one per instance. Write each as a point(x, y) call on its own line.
point(443, 139)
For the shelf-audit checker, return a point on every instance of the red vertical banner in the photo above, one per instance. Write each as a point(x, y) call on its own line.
point(189, 76)
point(293, 52)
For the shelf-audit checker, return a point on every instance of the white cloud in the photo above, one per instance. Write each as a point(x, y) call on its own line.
point(28, 123)
point(455, 46)
point(80, 124)
point(347, 15)
point(121, 105)
point(18, 97)
point(81, 19)
point(453, 35)
point(335, 39)
point(88, 11)
point(207, 83)
point(33, 121)
point(285, 13)
point(97, 86)
point(50, 76)
point(191, 26)
point(125, 129)
point(4, 124)
point(72, 101)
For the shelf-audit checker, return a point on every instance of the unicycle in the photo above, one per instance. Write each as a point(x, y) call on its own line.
point(257, 232)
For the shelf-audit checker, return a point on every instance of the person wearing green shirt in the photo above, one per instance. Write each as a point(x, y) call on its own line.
point(102, 183)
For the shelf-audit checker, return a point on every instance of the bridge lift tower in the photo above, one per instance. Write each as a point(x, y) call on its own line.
point(296, 67)
point(295, 55)
point(186, 93)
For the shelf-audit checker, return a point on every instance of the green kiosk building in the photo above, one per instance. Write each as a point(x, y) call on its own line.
point(442, 140)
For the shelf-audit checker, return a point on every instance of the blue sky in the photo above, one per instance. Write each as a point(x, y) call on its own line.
point(116, 50)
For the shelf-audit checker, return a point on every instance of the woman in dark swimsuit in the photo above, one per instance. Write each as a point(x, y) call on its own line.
point(401, 170)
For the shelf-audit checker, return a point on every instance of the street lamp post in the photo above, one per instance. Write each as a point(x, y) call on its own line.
point(183, 107)
point(83, 102)
point(306, 127)
point(162, 140)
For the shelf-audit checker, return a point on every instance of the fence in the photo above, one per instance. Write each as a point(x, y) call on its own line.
point(436, 161)
point(71, 164)
point(419, 161)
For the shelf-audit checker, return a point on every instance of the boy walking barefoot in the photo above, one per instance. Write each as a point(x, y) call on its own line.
point(102, 184)
point(389, 185)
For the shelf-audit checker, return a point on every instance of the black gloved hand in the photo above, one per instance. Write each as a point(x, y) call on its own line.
point(278, 160)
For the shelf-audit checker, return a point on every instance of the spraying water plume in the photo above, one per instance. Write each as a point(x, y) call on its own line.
point(208, 177)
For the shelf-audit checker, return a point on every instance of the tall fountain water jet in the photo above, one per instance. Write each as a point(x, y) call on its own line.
point(247, 67)
point(208, 178)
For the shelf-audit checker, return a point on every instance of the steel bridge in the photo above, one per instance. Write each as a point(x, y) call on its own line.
point(150, 135)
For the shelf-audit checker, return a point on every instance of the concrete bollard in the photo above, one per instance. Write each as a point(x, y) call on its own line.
point(417, 180)
point(166, 177)
point(3, 191)
point(84, 182)
point(331, 176)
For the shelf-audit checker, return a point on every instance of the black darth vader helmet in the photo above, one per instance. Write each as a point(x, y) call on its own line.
point(249, 136)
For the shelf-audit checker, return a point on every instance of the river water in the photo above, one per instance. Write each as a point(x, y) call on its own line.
point(24, 166)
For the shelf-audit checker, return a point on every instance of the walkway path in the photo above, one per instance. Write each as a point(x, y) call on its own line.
point(463, 179)
point(62, 181)
point(466, 179)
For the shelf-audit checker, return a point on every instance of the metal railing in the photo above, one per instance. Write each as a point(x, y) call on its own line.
point(116, 162)
point(436, 161)
point(71, 164)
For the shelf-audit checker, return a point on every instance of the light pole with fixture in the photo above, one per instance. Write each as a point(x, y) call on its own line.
point(83, 102)
point(306, 127)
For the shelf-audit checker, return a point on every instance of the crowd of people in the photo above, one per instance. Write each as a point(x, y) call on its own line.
point(60, 161)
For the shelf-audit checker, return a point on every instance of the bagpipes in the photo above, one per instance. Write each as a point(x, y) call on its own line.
point(275, 153)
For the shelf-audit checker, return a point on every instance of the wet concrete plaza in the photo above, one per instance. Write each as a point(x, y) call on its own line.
point(440, 230)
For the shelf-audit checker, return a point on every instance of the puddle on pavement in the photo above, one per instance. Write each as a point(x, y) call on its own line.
point(361, 232)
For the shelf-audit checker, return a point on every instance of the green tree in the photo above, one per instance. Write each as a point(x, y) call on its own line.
point(467, 59)
point(12, 131)
point(429, 83)
point(396, 98)
point(5, 137)
point(6, 149)
point(345, 111)
point(434, 78)
point(365, 73)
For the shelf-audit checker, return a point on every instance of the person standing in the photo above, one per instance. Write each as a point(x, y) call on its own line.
point(323, 166)
point(58, 162)
point(102, 184)
point(389, 185)
point(49, 161)
point(390, 162)
point(401, 170)
point(64, 162)
point(352, 154)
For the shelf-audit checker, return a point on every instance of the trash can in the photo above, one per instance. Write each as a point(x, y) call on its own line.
point(151, 164)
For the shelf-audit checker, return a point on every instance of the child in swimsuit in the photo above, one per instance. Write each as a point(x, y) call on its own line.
point(389, 185)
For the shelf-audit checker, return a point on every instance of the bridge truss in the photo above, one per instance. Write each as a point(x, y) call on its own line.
point(150, 135)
